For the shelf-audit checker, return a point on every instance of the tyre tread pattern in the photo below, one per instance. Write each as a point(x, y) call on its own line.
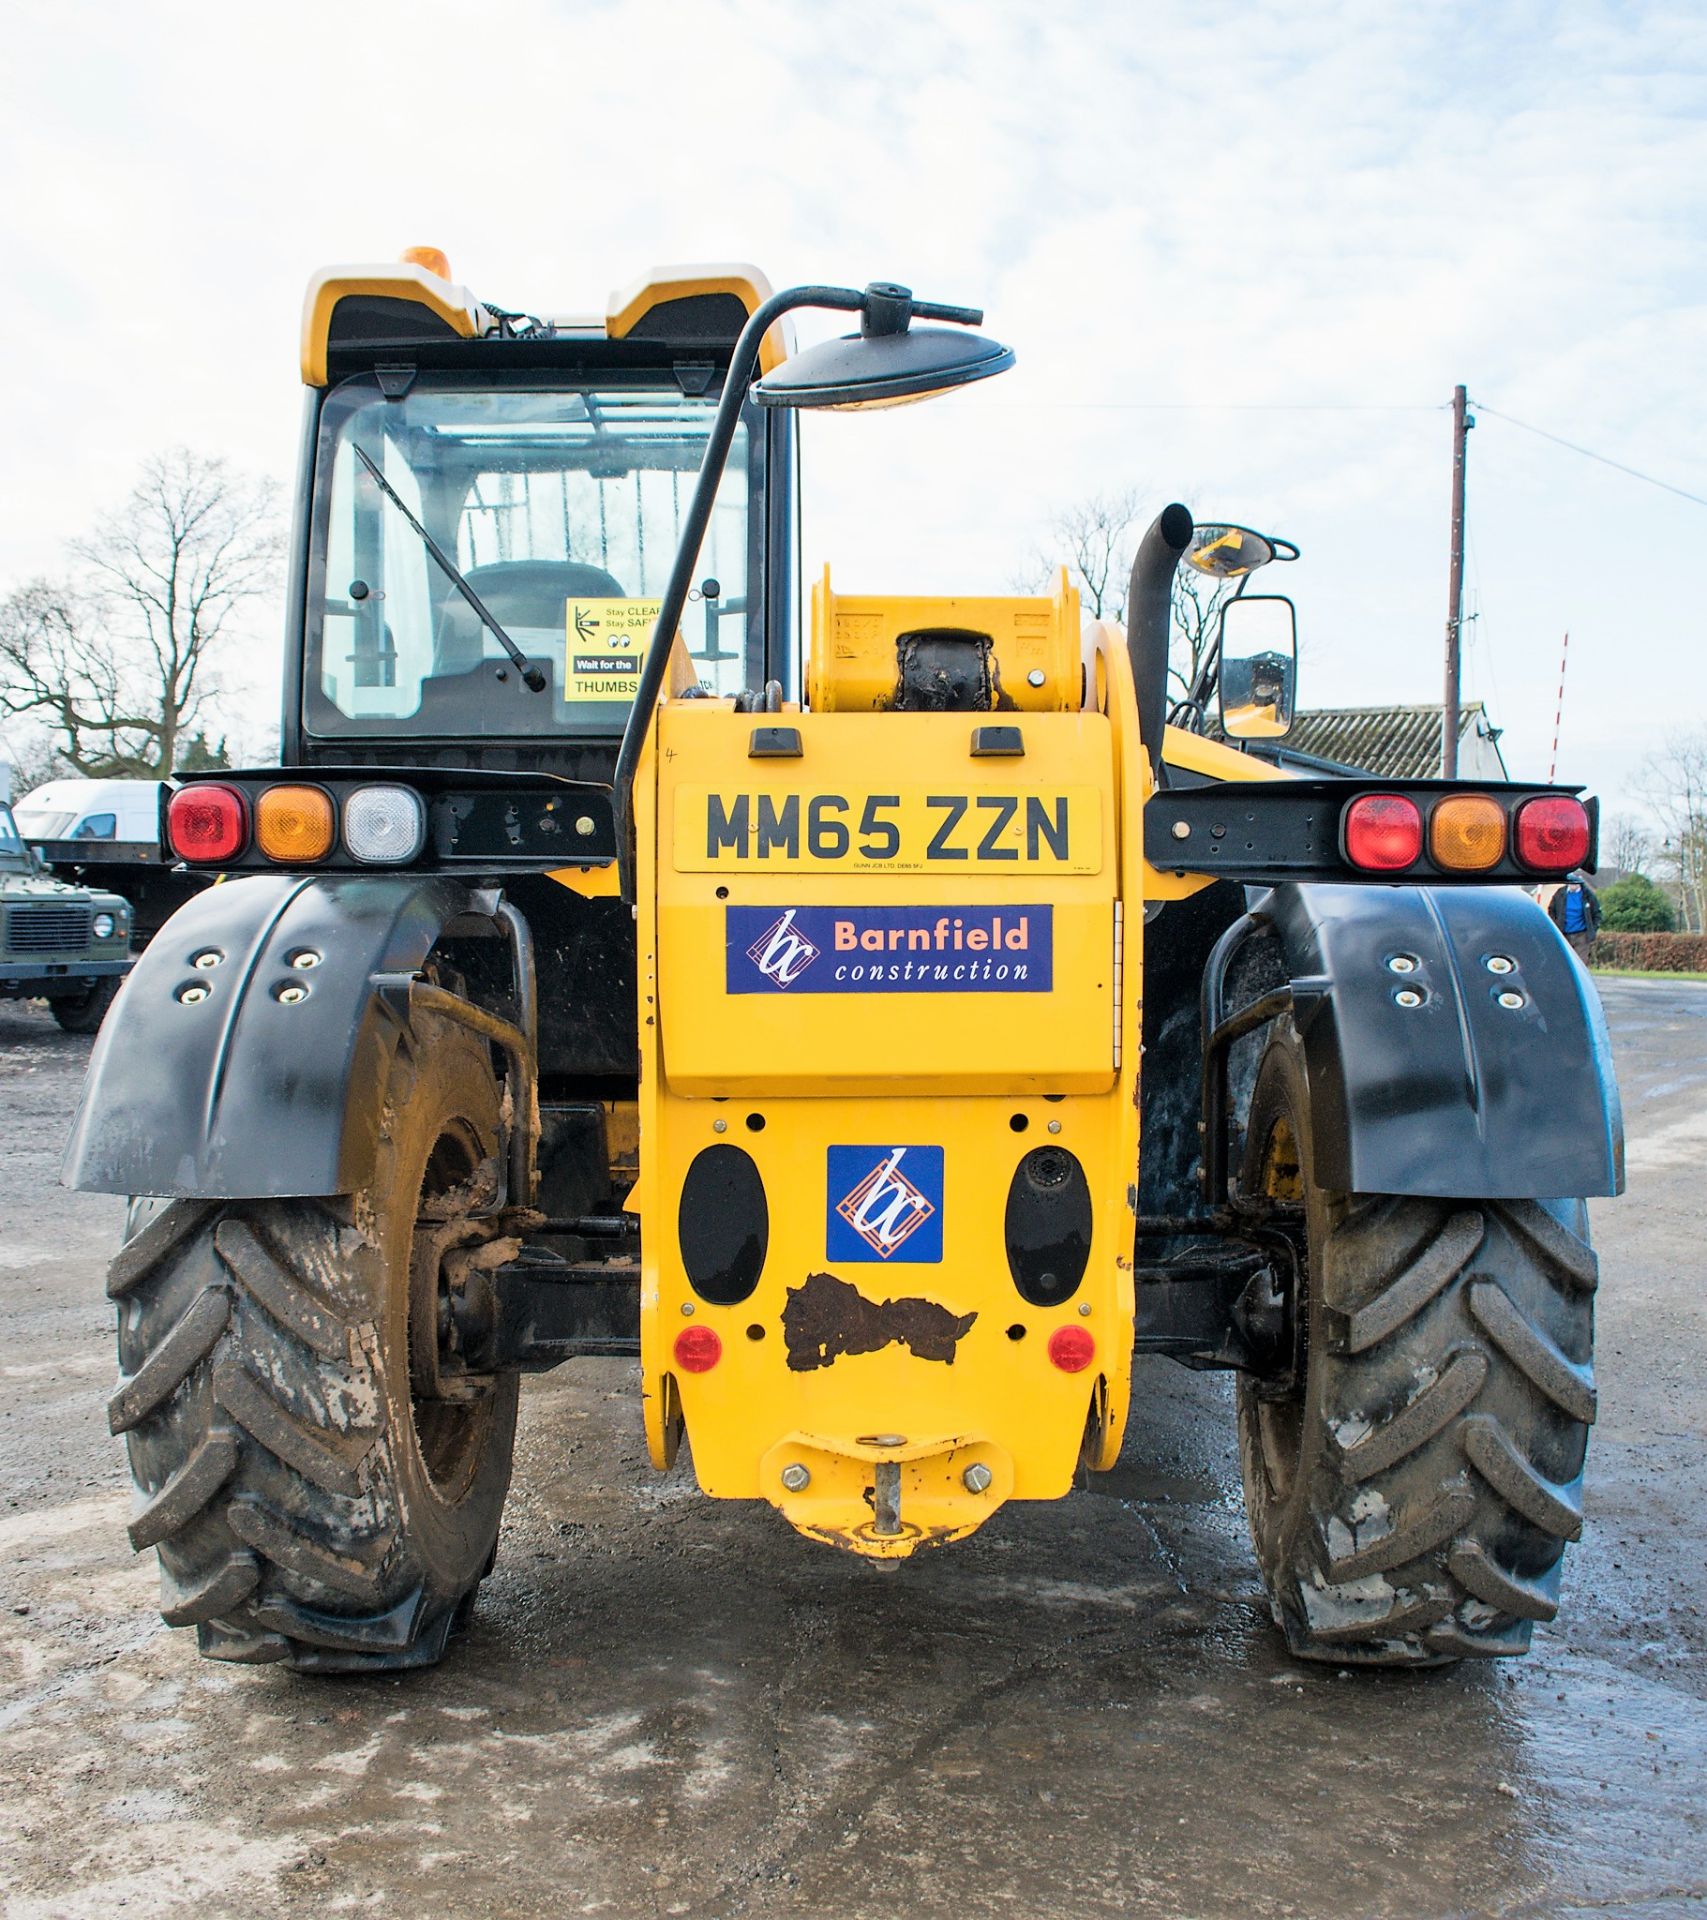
point(253, 1399)
point(1444, 1426)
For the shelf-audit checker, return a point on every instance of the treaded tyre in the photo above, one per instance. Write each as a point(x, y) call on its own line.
point(319, 1494)
point(1411, 1498)
point(85, 1012)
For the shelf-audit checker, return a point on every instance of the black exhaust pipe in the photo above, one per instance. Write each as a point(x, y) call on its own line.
point(1149, 622)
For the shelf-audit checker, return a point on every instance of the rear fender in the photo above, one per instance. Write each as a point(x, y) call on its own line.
point(1458, 1094)
point(206, 1084)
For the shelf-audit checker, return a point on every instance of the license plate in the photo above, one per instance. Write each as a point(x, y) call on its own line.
point(915, 830)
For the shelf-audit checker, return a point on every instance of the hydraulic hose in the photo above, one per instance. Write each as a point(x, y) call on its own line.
point(1149, 619)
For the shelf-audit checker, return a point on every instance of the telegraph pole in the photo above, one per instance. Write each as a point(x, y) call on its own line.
point(1461, 424)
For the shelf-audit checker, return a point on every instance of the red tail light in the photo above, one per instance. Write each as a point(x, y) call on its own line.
point(1552, 834)
point(698, 1349)
point(1383, 833)
point(207, 823)
point(1071, 1349)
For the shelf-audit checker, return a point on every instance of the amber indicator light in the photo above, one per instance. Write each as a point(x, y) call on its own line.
point(294, 824)
point(1466, 833)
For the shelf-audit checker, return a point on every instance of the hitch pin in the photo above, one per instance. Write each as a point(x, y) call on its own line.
point(886, 1498)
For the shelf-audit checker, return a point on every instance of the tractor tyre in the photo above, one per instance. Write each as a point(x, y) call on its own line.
point(84, 1012)
point(320, 1490)
point(1411, 1486)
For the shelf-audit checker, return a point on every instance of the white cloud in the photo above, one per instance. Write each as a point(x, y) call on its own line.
point(1160, 206)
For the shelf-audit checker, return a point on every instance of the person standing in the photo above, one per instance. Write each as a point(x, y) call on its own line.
point(1575, 910)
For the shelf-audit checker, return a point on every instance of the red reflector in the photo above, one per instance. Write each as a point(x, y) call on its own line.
point(698, 1349)
point(1071, 1349)
point(1383, 833)
point(1552, 834)
point(207, 823)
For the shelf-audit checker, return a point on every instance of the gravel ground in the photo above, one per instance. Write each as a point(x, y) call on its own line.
point(669, 1706)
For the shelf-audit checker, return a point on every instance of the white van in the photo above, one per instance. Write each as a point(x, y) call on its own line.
point(91, 810)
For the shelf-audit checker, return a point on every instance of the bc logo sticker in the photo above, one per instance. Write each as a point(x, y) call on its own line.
point(884, 1202)
point(889, 949)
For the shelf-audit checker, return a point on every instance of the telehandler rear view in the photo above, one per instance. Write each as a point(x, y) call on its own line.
point(882, 1033)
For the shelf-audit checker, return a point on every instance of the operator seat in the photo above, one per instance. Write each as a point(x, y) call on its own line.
point(520, 594)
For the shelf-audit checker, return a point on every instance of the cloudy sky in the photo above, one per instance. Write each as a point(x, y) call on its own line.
point(1243, 252)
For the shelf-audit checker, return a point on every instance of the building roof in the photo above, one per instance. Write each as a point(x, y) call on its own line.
point(1402, 743)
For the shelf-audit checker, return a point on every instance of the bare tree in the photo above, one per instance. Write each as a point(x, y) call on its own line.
point(116, 660)
point(1626, 844)
point(31, 757)
point(1673, 781)
point(1198, 600)
point(1098, 537)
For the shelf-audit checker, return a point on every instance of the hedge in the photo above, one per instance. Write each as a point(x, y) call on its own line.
point(1652, 952)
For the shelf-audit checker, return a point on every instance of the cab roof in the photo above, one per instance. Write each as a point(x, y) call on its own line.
point(355, 314)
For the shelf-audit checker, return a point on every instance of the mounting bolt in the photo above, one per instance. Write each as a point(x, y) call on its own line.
point(796, 1478)
point(1501, 963)
point(687, 1306)
point(1036, 677)
point(288, 996)
point(720, 1126)
point(191, 994)
point(977, 1477)
point(1407, 997)
point(1509, 999)
point(1402, 963)
point(306, 960)
point(208, 957)
point(1055, 1126)
point(584, 824)
point(1182, 829)
point(1085, 1308)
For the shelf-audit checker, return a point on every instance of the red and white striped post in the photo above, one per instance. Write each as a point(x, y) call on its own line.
point(1559, 711)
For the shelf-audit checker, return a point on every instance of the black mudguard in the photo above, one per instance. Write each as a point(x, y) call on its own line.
point(241, 1094)
point(1459, 1095)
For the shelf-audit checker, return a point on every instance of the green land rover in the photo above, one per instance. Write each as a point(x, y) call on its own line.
point(64, 944)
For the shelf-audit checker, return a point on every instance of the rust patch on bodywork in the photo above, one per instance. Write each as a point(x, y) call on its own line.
point(827, 1317)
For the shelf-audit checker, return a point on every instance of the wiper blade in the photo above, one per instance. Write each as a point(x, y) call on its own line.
point(531, 676)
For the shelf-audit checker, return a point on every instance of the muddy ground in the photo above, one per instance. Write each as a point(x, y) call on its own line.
point(671, 1707)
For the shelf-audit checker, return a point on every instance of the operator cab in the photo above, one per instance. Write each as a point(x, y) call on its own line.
point(491, 516)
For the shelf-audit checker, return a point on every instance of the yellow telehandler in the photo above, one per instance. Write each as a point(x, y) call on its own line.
point(883, 1031)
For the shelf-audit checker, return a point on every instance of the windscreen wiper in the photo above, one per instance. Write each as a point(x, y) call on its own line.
point(531, 676)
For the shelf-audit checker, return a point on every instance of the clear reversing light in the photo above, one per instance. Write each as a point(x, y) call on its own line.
point(384, 826)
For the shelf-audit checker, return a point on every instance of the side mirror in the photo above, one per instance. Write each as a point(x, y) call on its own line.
point(1227, 552)
point(1259, 666)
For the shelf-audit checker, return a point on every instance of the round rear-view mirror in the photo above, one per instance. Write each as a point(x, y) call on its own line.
point(884, 369)
point(1227, 552)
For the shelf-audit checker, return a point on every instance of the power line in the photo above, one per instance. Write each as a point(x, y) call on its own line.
point(1222, 406)
point(1589, 453)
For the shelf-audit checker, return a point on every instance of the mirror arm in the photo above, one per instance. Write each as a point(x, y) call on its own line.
point(1210, 665)
point(743, 362)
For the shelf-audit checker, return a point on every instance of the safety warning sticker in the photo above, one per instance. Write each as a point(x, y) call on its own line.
point(606, 644)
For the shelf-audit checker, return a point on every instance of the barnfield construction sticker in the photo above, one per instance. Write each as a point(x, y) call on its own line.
point(606, 644)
